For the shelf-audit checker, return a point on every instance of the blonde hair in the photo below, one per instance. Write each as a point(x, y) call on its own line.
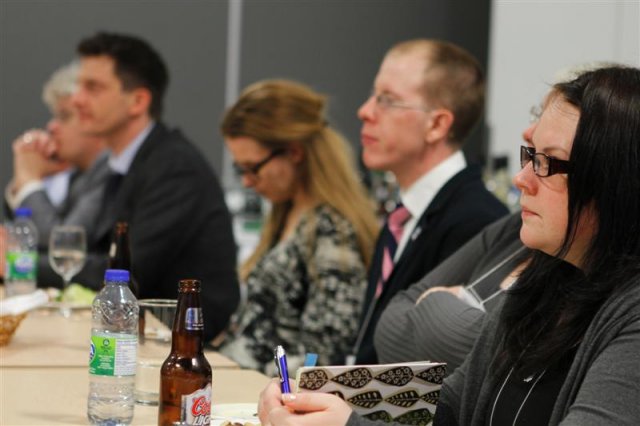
point(282, 113)
point(453, 79)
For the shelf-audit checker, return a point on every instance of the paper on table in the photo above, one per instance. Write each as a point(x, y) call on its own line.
point(234, 413)
point(16, 305)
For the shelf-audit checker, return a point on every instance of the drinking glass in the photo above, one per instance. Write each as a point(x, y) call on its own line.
point(67, 254)
point(154, 345)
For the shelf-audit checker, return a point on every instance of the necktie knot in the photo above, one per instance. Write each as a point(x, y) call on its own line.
point(113, 183)
point(396, 221)
point(109, 195)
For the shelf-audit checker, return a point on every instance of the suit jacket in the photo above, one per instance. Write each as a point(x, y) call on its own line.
point(81, 207)
point(461, 209)
point(179, 226)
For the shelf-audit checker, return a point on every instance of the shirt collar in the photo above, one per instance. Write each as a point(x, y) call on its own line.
point(122, 162)
point(420, 194)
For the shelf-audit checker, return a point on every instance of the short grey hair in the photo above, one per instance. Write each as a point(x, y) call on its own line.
point(62, 83)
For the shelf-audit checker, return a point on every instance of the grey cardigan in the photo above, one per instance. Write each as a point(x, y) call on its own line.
point(602, 386)
point(442, 327)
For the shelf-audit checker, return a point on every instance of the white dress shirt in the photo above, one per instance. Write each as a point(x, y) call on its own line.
point(122, 162)
point(55, 186)
point(419, 195)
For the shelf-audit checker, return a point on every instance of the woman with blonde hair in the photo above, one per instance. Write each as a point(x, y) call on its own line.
point(306, 279)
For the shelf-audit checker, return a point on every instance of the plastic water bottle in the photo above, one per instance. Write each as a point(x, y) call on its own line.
point(22, 254)
point(112, 356)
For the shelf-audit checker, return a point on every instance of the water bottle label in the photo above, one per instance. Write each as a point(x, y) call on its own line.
point(196, 407)
point(22, 265)
point(194, 320)
point(113, 356)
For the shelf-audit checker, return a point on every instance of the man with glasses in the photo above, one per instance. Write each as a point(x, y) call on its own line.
point(427, 97)
point(179, 224)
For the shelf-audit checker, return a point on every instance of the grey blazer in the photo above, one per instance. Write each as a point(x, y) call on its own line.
point(81, 207)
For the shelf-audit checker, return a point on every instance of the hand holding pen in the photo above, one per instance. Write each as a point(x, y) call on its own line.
point(275, 408)
point(281, 367)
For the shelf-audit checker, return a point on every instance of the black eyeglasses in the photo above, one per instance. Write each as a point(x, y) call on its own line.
point(543, 165)
point(254, 169)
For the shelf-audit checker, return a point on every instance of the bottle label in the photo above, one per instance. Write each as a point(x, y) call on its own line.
point(113, 356)
point(22, 265)
point(194, 320)
point(196, 407)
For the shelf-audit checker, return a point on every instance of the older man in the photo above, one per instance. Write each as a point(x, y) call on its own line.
point(62, 155)
point(426, 98)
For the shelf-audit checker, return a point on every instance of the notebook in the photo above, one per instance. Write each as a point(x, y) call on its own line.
point(405, 393)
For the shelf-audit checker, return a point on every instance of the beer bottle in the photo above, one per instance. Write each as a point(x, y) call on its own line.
point(120, 253)
point(185, 376)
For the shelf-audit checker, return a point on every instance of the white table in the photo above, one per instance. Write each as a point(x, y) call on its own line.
point(49, 340)
point(58, 396)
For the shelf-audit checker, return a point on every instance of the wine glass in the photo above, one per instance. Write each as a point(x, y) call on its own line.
point(67, 254)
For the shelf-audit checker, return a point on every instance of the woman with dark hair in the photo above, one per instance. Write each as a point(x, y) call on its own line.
point(564, 347)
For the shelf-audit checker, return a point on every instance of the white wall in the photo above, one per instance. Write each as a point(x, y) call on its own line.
point(532, 40)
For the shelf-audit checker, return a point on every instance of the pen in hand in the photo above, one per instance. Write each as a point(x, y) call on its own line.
point(281, 366)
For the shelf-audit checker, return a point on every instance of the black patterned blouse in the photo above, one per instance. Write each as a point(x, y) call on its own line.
point(304, 294)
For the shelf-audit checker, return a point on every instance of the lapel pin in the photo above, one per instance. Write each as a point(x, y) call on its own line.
point(416, 233)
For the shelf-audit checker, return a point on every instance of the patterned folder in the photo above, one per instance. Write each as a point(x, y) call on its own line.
point(405, 393)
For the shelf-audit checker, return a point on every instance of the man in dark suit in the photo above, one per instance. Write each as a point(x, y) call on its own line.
point(161, 185)
point(427, 97)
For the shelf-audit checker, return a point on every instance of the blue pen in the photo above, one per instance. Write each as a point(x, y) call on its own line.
point(281, 366)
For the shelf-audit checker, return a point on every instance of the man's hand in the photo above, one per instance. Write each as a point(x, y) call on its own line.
point(33, 158)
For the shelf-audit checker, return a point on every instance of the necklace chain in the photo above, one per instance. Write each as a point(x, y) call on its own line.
point(527, 380)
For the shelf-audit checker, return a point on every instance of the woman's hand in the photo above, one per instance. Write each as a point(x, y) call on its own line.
point(310, 409)
point(270, 398)
point(305, 409)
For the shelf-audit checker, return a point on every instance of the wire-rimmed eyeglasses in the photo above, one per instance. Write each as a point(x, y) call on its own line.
point(254, 169)
point(543, 165)
point(385, 101)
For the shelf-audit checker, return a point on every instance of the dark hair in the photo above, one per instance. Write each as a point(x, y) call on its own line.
point(137, 64)
point(453, 79)
point(553, 303)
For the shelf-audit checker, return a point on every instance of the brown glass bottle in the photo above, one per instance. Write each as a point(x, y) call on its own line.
point(120, 254)
point(185, 376)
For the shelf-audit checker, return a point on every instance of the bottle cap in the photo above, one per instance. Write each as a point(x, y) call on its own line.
point(189, 285)
point(23, 212)
point(117, 275)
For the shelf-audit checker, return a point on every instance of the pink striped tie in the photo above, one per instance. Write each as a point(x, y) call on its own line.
point(395, 223)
